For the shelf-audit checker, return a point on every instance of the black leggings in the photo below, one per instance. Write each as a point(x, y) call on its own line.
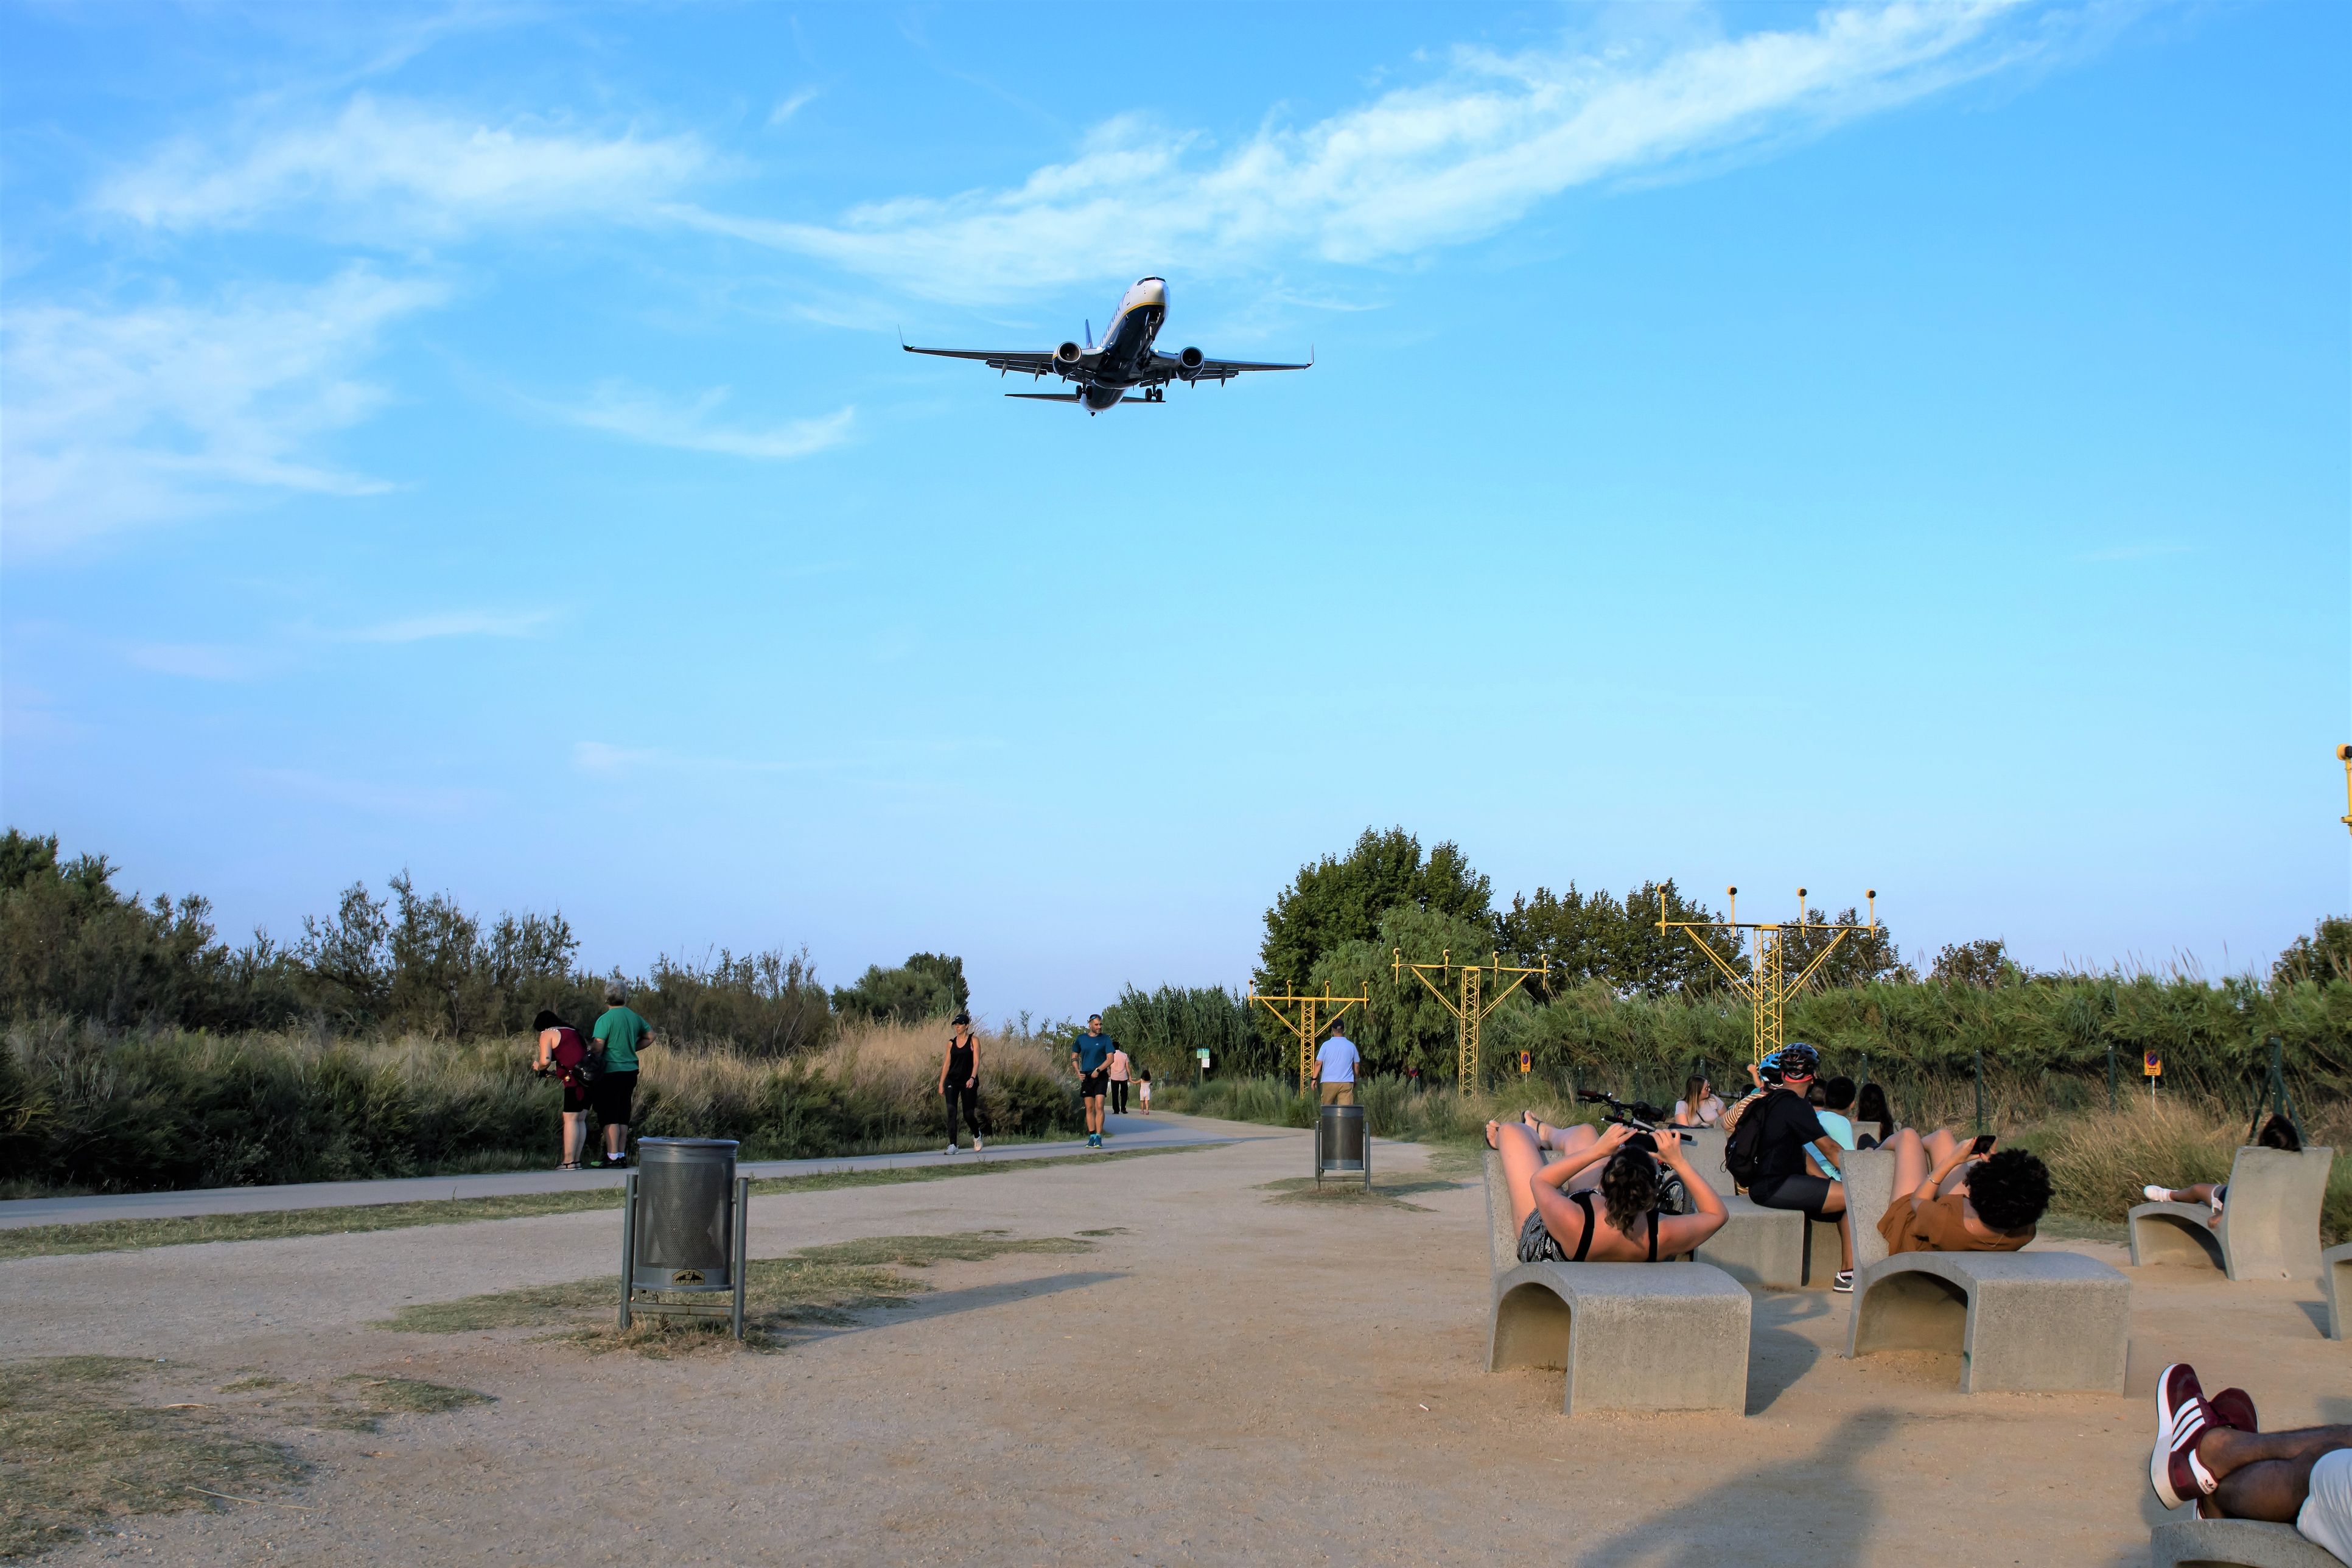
point(955, 1094)
point(1118, 1094)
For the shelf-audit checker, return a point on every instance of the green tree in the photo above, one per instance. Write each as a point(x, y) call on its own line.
point(1581, 939)
point(925, 986)
point(1405, 1026)
point(1343, 899)
point(1982, 963)
point(1861, 955)
point(2325, 954)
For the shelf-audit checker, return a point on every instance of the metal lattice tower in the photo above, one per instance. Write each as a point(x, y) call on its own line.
point(1767, 985)
point(1310, 1019)
point(1476, 1001)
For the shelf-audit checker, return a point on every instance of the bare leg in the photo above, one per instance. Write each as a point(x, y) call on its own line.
point(617, 1139)
point(2266, 1475)
point(1845, 1236)
point(1574, 1140)
point(1939, 1145)
point(1911, 1166)
point(576, 1136)
point(1521, 1160)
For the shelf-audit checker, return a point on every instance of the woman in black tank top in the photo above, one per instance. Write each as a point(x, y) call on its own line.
point(1553, 1206)
point(960, 1080)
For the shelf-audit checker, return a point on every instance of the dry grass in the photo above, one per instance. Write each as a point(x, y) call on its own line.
point(2100, 1160)
point(815, 1284)
point(86, 1441)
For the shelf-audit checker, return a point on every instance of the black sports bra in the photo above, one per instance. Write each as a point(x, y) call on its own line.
point(1583, 1201)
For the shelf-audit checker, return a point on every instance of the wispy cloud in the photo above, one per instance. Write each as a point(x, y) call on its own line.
point(619, 409)
point(370, 794)
point(792, 106)
point(599, 757)
point(452, 624)
point(195, 661)
point(148, 413)
point(407, 168)
point(1418, 167)
point(2146, 551)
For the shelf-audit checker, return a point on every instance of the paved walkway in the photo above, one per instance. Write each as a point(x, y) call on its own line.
point(1161, 1131)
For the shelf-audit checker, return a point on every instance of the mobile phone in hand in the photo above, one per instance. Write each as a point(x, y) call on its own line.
point(1982, 1143)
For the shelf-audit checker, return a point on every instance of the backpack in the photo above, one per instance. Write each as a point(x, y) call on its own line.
point(574, 1060)
point(1745, 1147)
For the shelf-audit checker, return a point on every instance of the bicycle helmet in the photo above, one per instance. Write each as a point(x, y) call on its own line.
point(1798, 1059)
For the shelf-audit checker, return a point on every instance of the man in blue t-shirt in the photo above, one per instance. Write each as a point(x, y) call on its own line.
point(1338, 1062)
point(1090, 1054)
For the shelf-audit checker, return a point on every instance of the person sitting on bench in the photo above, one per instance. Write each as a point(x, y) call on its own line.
point(2213, 1452)
point(1793, 1149)
point(2278, 1132)
point(1955, 1196)
point(1552, 1206)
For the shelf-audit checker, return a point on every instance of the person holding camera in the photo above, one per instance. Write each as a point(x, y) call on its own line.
point(1952, 1196)
point(1552, 1206)
point(1789, 1130)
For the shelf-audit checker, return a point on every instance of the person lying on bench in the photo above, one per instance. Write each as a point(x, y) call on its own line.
point(2213, 1452)
point(2278, 1132)
point(1552, 1206)
point(1955, 1196)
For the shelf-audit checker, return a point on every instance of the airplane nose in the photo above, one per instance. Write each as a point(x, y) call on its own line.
point(1151, 291)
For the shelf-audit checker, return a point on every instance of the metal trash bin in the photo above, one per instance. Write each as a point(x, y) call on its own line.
point(1342, 1144)
point(684, 1214)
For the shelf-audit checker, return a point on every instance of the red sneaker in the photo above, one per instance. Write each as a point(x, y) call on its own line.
point(2232, 1407)
point(2173, 1467)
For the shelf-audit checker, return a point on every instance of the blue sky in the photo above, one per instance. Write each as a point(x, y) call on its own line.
point(1896, 448)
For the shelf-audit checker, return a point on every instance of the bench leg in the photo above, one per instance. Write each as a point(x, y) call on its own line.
point(1530, 1328)
point(2165, 1238)
point(1909, 1312)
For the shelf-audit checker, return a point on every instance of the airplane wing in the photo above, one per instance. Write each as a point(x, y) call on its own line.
point(1021, 360)
point(1169, 367)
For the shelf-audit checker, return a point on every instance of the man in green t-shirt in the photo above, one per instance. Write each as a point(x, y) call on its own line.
point(621, 1032)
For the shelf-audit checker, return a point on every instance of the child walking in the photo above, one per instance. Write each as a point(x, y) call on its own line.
point(1143, 1088)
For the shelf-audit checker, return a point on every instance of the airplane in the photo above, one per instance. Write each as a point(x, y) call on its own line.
point(1113, 371)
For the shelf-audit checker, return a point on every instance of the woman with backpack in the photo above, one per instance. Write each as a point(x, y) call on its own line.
point(564, 1055)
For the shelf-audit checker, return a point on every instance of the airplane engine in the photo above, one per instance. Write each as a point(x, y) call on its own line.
point(1067, 356)
point(1189, 363)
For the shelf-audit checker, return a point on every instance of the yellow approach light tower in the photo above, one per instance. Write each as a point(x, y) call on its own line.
point(2344, 755)
point(1768, 986)
point(1312, 1014)
point(1479, 998)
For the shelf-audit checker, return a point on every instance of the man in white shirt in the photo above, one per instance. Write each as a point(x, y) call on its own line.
point(1338, 1061)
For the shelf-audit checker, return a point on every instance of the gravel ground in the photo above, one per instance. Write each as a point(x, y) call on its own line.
point(1239, 1373)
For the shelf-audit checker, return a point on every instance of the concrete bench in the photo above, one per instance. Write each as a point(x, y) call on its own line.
point(1630, 1336)
point(2232, 1543)
point(2336, 1280)
point(2270, 1222)
point(1704, 1146)
point(1869, 1193)
point(2023, 1322)
point(1760, 1246)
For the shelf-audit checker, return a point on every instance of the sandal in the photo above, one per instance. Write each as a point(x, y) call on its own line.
point(569, 1165)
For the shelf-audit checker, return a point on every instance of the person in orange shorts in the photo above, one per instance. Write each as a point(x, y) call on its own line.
point(1952, 1196)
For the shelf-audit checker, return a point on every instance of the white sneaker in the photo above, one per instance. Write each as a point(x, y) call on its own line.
point(977, 1145)
point(951, 1148)
point(2156, 1194)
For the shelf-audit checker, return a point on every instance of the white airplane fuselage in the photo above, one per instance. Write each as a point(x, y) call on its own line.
point(1123, 357)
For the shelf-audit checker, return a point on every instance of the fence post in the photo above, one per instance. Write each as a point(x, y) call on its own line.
point(2111, 1075)
point(1980, 1126)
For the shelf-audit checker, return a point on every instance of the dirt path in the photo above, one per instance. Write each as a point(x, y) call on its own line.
point(1239, 1375)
